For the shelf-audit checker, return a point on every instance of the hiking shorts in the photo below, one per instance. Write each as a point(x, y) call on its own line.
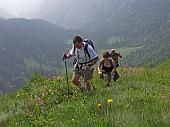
point(108, 75)
point(86, 73)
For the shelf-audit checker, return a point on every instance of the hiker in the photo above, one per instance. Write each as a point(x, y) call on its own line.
point(115, 56)
point(86, 58)
point(107, 66)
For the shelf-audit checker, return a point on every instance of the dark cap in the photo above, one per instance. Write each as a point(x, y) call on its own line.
point(77, 38)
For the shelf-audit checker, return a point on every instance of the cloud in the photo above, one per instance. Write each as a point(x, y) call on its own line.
point(18, 6)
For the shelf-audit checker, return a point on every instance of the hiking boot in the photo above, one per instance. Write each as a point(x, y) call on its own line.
point(101, 77)
point(94, 88)
point(107, 85)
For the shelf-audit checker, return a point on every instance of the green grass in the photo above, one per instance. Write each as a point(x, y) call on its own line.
point(139, 99)
point(6, 108)
point(165, 66)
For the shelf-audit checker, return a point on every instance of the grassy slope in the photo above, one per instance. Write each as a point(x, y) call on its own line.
point(165, 66)
point(139, 99)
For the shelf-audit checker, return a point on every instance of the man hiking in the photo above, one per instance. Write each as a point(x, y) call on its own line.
point(115, 56)
point(86, 58)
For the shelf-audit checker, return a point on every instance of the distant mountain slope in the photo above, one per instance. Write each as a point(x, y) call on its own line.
point(65, 13)
point(155, 51)
point(119, 17)
point(29, 45)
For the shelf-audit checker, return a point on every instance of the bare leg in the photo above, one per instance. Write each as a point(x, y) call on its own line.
point(108, 80)
point(76, 80)
point(88, 84)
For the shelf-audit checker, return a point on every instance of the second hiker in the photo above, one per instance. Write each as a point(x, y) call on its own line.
point(107, 66)
point(86, 58)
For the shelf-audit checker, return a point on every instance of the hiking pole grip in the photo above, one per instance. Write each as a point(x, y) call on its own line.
point(65, 63)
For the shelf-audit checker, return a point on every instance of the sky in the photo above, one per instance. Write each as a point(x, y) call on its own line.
point(18, 6)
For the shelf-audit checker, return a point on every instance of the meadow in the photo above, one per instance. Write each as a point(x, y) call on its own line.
point(139, 98)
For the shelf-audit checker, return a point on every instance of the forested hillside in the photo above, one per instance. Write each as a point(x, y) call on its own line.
point(155, 50)
point(27, 46)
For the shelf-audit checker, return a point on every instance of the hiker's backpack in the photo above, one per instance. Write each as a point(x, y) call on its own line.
point(87, 42)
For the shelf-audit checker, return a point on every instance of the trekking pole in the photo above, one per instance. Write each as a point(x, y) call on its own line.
point(65, 63)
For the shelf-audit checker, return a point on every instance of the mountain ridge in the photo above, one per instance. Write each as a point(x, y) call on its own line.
point(28, 46)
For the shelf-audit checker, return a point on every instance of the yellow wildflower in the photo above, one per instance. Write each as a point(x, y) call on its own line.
point(99, 106)
point(109, 101)
point(18, 95)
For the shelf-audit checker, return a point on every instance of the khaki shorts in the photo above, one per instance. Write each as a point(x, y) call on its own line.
point(108, 75)
point(86, 73)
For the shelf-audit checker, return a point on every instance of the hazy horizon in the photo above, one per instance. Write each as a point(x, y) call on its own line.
point(18, 7)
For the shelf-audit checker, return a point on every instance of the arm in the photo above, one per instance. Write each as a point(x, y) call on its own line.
point(68, 55)
point(100, 66)
point(114, 64)
point(94, 61)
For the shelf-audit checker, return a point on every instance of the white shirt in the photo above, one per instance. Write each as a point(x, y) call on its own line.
point(80, 53)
